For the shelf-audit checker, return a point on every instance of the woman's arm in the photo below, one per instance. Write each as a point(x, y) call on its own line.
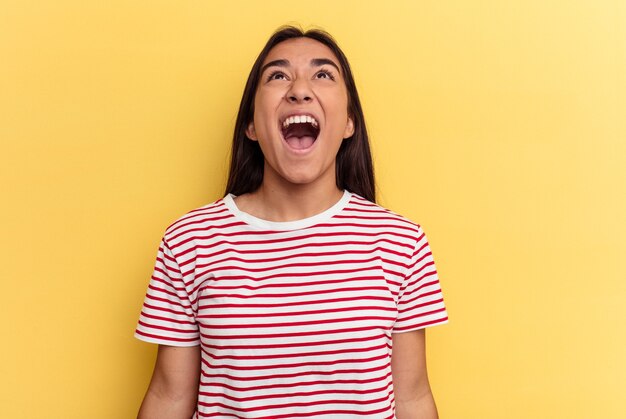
point(173, 390)
point(413, 397)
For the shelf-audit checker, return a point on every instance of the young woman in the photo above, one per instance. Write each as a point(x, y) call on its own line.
point(285, 298)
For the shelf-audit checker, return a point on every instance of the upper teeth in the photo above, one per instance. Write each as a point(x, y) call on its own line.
point(300, 119)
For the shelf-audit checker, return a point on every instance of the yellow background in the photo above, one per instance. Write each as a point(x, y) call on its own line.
point(497, 125)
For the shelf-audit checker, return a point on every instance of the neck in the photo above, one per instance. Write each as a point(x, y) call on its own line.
point(281, 205)
point(289, 202)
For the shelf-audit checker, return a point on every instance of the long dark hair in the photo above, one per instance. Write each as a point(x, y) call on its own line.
point(354, 170)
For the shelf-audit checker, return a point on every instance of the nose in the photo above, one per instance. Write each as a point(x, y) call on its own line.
point(299, 92)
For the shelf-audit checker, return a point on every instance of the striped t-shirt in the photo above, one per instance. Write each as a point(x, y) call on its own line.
point(294, 319)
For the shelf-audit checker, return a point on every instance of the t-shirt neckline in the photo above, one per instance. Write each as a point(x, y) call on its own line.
point(286, 225)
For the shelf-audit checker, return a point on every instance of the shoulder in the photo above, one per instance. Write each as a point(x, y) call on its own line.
point(361, 208)
point(202, 219)
point(392, 232)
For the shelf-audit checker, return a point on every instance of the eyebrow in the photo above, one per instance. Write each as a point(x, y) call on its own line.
point(315, 62)
point(318, 62)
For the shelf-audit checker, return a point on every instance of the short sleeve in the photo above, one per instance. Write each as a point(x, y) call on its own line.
point(420, 301)
point(167, 316)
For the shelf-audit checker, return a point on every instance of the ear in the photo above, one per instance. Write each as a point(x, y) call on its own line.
point(251, 132)
point(349, 131)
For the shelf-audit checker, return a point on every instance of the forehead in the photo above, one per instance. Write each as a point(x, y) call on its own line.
point(300, 49)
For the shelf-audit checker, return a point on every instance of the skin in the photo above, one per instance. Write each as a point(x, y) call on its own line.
point(173, 390)
point(413, 396)
point(297, 184)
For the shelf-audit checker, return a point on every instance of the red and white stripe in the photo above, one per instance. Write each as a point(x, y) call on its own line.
point(294, 319)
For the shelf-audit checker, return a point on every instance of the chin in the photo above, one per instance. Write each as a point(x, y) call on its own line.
point(301, 178)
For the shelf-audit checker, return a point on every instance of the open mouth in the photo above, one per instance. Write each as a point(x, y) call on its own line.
point(300, 131)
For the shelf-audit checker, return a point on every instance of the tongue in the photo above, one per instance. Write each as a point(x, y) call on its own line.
point(300, 143)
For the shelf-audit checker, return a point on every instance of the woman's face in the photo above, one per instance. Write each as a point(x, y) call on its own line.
point(300, 113)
